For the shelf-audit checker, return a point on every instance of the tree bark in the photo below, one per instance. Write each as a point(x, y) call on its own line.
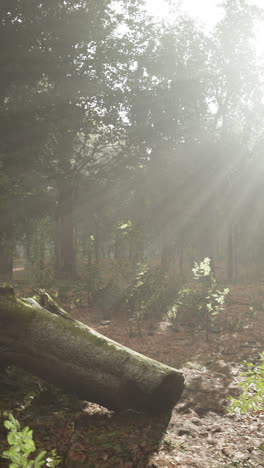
point(65, 244)
point(6, 264)
point(6, 256)
point(230, 254)
point(52, 345)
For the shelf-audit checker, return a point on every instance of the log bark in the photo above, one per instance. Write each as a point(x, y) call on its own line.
point(73, 356)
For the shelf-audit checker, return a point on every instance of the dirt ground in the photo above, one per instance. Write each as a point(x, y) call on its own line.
point(198, 433)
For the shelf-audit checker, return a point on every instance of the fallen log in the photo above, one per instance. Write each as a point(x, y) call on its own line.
point(73, 356)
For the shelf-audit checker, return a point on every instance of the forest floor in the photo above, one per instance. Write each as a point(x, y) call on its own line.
point(199, 433)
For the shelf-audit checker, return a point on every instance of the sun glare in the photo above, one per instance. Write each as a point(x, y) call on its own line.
point(158, 8)
point(206, 12)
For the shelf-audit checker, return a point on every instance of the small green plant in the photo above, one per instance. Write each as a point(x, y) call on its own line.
point(53, 460)
point(22, 446)
point(252, 384)
point(202, 269)
point(125, 227)
point(137, 293)
point(150, 294)
point(252, 313)
point(200, 305)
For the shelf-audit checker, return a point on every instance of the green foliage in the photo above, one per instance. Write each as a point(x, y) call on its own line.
point(53, 460)
point(252, 312)
point(188, 301)
point(202, 269)
point(215, 299)
point(22, 446)
point(199, 306)
point(137, 292)
point(252, 385)
point(150, 293)
point(125, 227)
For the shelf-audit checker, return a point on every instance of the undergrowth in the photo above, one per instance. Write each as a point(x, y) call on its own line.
point(252, 385)
point(199, 306)
point(22, 446)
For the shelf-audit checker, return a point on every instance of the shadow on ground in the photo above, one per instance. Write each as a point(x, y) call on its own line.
point(90, 436)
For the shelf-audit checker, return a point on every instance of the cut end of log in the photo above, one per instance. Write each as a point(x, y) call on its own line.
point(168, 393)
point(163, 398)
point(156, 401)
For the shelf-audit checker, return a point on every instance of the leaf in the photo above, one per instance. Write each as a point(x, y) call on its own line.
point(40, 456)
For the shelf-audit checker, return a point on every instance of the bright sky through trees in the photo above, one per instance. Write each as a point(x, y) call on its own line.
point(206, 11)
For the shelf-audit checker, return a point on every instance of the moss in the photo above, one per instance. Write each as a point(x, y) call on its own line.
point(75, 357)
point(42, 320)
point(24, 312)
point(11, 306)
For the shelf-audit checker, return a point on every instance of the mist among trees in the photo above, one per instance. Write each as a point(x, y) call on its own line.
point(127, 141)
point(131, 165)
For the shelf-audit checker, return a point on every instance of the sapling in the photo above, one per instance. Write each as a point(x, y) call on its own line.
point(214, 298)
point(252, 385)
point(200, 304)
point(22, 446)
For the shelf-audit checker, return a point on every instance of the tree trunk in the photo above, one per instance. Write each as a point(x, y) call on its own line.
point(181, 253)
point(96, 239)
point(76, 358)
point(230, 254)
point(6, 264)
point(6, 256)
point(65, 245)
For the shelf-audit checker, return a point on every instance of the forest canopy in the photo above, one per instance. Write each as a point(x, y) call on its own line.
point(126, 140)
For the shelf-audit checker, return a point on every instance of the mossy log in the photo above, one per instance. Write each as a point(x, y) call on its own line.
point(73, 356)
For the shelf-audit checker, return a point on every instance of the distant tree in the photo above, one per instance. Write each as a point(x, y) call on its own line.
point(22, 133)
point(69, 90)
point(237, 116)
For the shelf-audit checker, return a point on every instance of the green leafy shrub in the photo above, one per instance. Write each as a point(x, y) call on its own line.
point(252, 312)
point(252, 385)
point(199, 306)
point(22, 446)
point(150, 294)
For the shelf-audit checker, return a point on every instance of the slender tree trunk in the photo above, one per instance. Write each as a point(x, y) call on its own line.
point(230, 254)
point(235, 252)
point(118, 244)
point(97, 240)
point(208, 244)
point(6, 255)
point(138, 237)
point(65, 241)
point(6, 264)
point(165, 217)
point(181, 253)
